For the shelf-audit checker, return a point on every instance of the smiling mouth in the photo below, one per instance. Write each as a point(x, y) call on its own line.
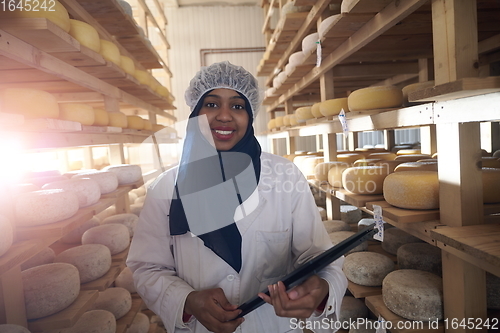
point(223, 132)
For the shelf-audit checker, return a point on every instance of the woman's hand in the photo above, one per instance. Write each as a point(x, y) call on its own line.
point(299, 302)
point(212, 309)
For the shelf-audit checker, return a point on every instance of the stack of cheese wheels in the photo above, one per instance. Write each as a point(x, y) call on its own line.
point(127, 64)
point(117, 119)
point(91, 260)
point(421, 256)
point(372, 98)
point(279, 122)
point(336, 225)
point(491, 184)
point(308, 165)
point(101, 117)
point(127, 219)
point(417, 166)
point(57, 14)
point(87, 190)
point(13, 328)
point(116, 300)
point(332, 107)
point(44, 207)
point(367, 268)
point(315, 110)
point(115, 236)
point(303, 113)
point(135, 122)
point(407, 90)
point(85, 34)
point(110, 52)
point(412, 189)
point(350, 310)
point(31, 103)
point(339, 236)
point(6, 235)
point(45, 256)
point(107, 180)
point(125, 280)
point(126, 173)
point(75, 235)
point(394, 238)
point(364, 179)
point(98, 321)
point(309, 43)
point(384, 155)
point(349, 158)
point(388, 165)
point(412, 157)
point(414, 294)
point(335, 173)
point(49, 288)
point(322, 169)
point(140, 324)
point(490, 162)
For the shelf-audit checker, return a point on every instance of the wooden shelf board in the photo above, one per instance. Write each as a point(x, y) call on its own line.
point(18, 253)
point(120, 257)
point(67, 317)
point(141, 50)
point(358, 200)
point(82, 58)
point(401, 215)
point(377, 306)
point(129, 317)
point(105, 281)
point(47, 124)
point(359, 291)
point(101, 129)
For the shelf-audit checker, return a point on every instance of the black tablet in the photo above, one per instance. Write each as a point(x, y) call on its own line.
point(312, 266)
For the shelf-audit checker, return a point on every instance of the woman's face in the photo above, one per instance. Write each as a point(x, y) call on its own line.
point(227, 117)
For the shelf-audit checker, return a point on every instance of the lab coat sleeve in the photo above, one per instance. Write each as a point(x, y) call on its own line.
point(310, 239)
point(152, 263)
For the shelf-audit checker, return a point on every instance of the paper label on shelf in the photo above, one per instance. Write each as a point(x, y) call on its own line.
point(318, 53)
point(379, 223)
point(343, 122)
point(380, 327)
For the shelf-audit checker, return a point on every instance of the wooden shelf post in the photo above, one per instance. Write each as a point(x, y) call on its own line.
point(12, 308)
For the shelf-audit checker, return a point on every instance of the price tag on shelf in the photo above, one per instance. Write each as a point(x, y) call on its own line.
point(343, 122)
point(318, 53)
point(379, 223)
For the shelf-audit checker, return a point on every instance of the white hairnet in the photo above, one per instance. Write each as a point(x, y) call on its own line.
point(223, 75)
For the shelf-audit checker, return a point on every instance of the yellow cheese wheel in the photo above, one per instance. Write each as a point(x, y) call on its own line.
point(365, 162)
point(332, 107)
point(322, 169)
point(364, 179)
point(372, 98)
point(271, 124)
point(163, 91)
point(349, 157)
point(85, 34)
point(110, 52)
point(31, 103)
point(57, 14)
point(315, 110)
point(101, 117)
point(303, 113)
point(335, 173)
point(147, 125)
point(412, 157)
point(117, 119)
point(286, 120)
point(308, 165)
point(408, 151)
point(490, 162)
point(278, 122)
point(127, 64)
point(415, 87)
point(388, 156)
point(491, 184)
point(293, 120)
point(143, 77)
point(417, 166)
point(79, 112)
point(135, 122)
point(412, 189)
point(388, 165)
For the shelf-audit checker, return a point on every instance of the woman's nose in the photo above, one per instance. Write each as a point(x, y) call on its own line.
point(224, 114)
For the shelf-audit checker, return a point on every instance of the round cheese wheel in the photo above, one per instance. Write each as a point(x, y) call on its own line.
point(93, 321)
point(105, 213)
point(135, 122)
point(140, 324)
point(117, 119)
point(412, 157)
point(490, 162)
point(278, 121)
point(412, 189)
point(309, 43)
point(85, 34)
point(293, 120)
point(82, 113)
point(296, 58)
point(385, 155)
point(315, 110)
point(336, 225)
point(127, 64)
point(408, 152)
point(127, 219)
point(389, 166)
point(372, 98)
point(303, 113)
point(140, 191)
point(101, 117)
point(394, 238)
point(417, 166)
point(289, 68)
point(45, 256)
point(414, 87)
point(12, 328)
point(110, 52)
point(115, 236)
point(327, 24)
point(420, 256)
point(126, 173)
point(125, 280)
point(75, 235)
point(321, 170)
point(116, 300)
point(364, 179)
point(87, 190)
point(335, 173)
point(140, 200)
point(339, 236)
point(332, 107)
point(6, 235)
point(142, 76)
point(31, 103)
point(308, 165)
point(286, 120)
point(271, 124)
point(367, 268)
point(107, 180)
point(40, 181)
point(413, 294)
point(365, 162)
point(49, 288)
point(55, 13)
point(91, 260)
point(351, 309)
point(350, 214)
point(132, 196)
point(136, 209)
point(349, 157)
point(44, 207)
point(491, 184)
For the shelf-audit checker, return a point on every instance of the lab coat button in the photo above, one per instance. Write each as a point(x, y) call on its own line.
point(329, 308)
point(230, 277)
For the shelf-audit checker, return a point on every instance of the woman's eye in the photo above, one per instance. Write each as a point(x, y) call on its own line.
point(239, 107)
point(211, 105)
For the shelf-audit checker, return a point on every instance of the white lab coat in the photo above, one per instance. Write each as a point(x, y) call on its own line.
point(281, 230)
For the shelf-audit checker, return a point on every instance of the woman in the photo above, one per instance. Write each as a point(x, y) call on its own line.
point(229, 222)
